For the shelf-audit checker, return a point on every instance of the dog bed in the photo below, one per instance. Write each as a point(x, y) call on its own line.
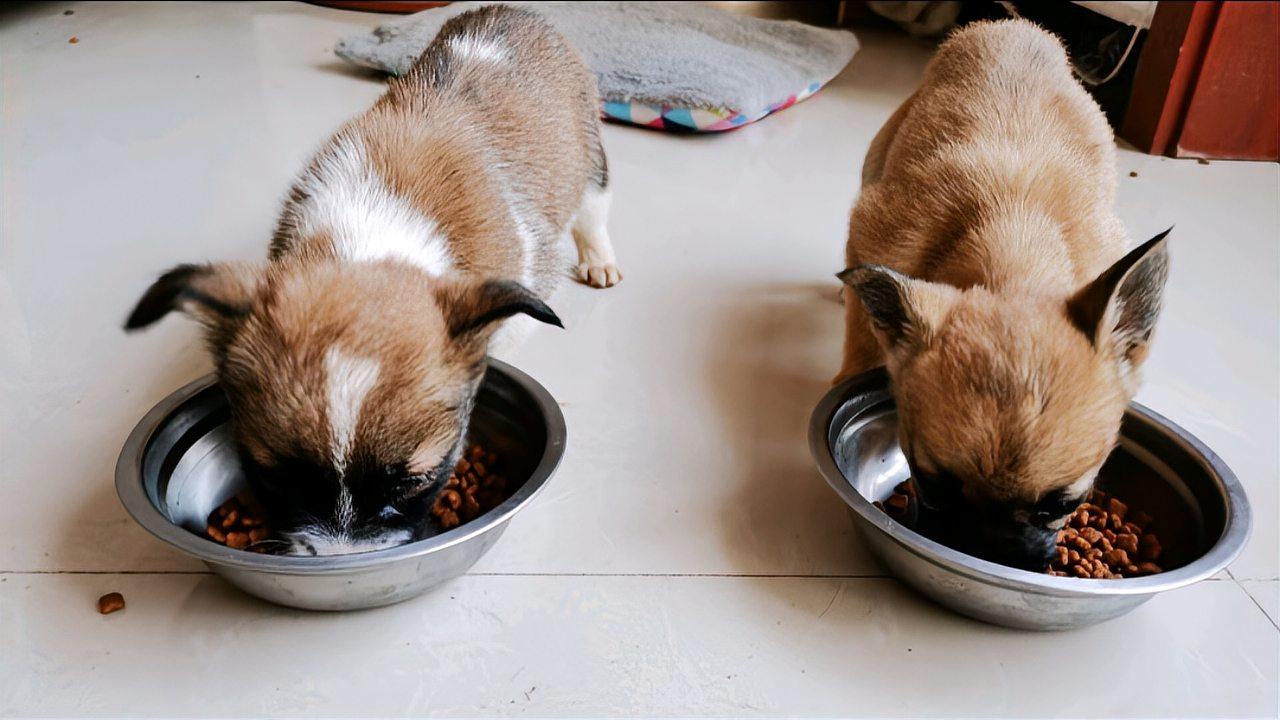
point(675, 66)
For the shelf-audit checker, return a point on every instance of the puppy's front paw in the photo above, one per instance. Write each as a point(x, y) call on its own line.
point(599, 274)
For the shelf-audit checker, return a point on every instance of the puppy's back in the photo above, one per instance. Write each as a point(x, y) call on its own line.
point(492, 137)
point(999, 146)
point(516, 79)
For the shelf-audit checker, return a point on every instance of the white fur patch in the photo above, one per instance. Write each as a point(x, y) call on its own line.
point(363, 217)
point(523, 217)
point(476, 48)
point(318, 541)
point(348, 380)
point(589, 227)
point(1082, 485)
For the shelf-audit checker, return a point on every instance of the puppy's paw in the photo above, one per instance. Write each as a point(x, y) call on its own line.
point(599, 274)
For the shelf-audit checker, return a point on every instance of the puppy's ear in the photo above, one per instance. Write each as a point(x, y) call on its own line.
point(903, 311)
point(213, 294)
point(470, 307)
point(1118, 310)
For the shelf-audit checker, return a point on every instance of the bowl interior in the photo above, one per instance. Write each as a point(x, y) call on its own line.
point(1150, 470)
point(190, 464)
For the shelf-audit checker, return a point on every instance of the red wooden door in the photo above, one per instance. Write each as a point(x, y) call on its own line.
point(1208, 82)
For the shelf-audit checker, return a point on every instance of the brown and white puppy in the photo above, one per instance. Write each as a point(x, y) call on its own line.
point(351, 359)
point(987, 271)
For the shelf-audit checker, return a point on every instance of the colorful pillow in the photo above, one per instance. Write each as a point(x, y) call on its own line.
point(678, 66)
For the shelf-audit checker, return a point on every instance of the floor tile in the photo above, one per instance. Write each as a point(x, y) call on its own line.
point(618, 646)
point(1266, 593)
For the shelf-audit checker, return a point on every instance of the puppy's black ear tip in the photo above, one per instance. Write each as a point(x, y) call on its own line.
point(853, 276)
point(141, 318)
point(545, 314)
point(1159, 243)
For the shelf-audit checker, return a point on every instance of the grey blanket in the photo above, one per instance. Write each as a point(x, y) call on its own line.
point(681, 54)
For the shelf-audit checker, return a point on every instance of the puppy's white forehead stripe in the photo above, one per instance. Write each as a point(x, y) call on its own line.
point(365, 220)
point(344, 513)
point(348, 380)
point(472, 47)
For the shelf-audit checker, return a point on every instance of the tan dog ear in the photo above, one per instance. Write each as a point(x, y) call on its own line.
point(470, 307)
point(1118, 310)
point(903, 311)
point(213, 294)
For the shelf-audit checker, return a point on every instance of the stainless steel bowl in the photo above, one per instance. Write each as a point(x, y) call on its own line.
point(1201, 510)
point(180, 463)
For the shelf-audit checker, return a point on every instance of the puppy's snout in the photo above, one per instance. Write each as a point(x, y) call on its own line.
point(1015, 544)
point(950, 518)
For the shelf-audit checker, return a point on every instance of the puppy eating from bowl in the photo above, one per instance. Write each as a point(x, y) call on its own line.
point(351, 358)
point(987, 271)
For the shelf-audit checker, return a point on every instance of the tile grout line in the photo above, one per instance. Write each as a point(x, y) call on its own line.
point(797, 576)
point(490, 574)
point(1252, 599)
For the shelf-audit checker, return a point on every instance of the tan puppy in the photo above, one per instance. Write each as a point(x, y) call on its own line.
point(352, 358)
point(986, 272)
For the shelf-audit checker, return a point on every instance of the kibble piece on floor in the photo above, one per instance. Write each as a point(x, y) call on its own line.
point(110, 603)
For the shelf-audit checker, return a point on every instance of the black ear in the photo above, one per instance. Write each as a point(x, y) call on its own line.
point(476, 306)
point(1122, 304)
point(208, 292)
point(904, 311)
point(885, 296)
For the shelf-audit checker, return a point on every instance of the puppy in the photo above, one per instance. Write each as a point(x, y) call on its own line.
point(987, 271)
point(352, 357)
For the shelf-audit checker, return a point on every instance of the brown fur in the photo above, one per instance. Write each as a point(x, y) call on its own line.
point(496, 121)
point(990, 193)
point(433, 138)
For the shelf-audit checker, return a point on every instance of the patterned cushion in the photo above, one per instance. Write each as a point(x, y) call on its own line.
point(684, 67)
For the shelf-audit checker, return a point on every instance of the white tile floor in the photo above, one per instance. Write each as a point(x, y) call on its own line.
point(686, 559)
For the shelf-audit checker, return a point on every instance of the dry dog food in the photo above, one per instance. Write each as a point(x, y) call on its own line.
point(110, 603)
point(474, 489)
point(1103, 539)
point(239, 524)
point(897, 504)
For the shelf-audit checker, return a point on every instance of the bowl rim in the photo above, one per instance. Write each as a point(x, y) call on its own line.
point(1226, 548)
point(129, 488)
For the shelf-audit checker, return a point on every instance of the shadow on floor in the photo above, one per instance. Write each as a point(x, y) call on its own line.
point(778, 349)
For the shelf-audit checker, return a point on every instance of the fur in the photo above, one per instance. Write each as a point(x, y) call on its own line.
point(352, 358)
point(984, 230)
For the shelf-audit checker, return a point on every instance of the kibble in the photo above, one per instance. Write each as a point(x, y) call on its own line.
point(473, 489)
point(898, 505)
point(1103, 539)
point(239, 524)
point(1106, 542)
point(110, 603)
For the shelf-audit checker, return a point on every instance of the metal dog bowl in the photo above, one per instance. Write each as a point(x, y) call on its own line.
point(1201, 510)
point(180, 463)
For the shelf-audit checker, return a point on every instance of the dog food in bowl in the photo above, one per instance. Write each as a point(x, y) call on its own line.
point(473, 490)
point(240, 524)
point(1103, 539)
